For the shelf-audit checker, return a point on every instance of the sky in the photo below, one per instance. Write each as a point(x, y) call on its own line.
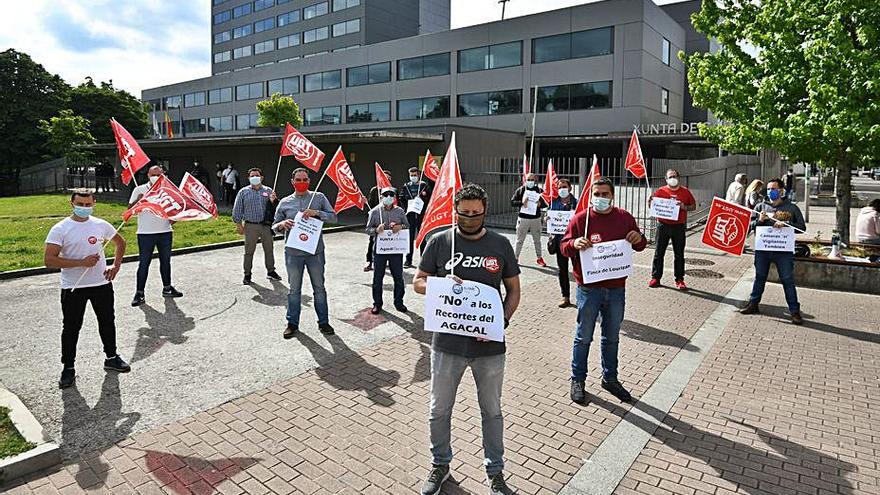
point(148, 43)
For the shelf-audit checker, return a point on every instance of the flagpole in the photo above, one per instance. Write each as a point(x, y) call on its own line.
point(780, 221)
point(277, 170)
point(308, 206)
point(116, 231)
point(534, 114)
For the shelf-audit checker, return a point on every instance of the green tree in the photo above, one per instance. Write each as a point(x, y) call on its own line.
point(277, 111)
point(65, 134)
point(99, 103)
point(809, 88)
point(28, 93)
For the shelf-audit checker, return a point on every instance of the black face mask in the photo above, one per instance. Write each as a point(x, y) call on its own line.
point(467, 224)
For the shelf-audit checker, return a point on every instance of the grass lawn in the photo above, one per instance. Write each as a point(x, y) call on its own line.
point(25, 221)
point(11, 441)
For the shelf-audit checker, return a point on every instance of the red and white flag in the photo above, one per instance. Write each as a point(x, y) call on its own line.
point(526, 168)
point(340, 173)
point(166, 201)
point(635, 162)
point(727, 226)
point(587, 191)
point(442, 203)
point(382, 181)
point(197, 191)
point(302, 149)
point(343, 203)
point(131, 156)
point(431, 170)
point(551, 188)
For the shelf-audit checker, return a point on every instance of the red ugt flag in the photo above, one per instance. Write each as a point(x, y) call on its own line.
point(551, 188)
point(197, 191)
point(727, 226)
point(340, 173)
point(587, 191)
point(166, 201)
point(381, 179)
point(131, 156)
point(302, 149)
point(342, 203)
point(441, 205)
point(431, 170)
point(635, 162)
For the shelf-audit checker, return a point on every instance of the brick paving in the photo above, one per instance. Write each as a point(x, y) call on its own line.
point(773, 409)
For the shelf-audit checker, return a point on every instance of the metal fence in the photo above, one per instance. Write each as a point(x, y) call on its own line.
point(500, 177)
point(62, 175)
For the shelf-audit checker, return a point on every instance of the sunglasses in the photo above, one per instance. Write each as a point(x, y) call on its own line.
point(465, 215)
point(388, 195)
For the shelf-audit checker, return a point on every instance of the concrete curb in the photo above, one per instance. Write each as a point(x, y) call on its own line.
point(45, 454)
point(41, 270)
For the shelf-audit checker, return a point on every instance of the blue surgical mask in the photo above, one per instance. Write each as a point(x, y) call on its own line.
point(600, 204)
point(83, 211)
point(563, 192)
point(255, 181)
point(774, 194)
point(530, 184)
point(387, 200)
point(154, 179)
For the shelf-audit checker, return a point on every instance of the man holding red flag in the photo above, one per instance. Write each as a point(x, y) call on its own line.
point(131, 156)
point(383, 179)
point(413, 197)
point(387, 216)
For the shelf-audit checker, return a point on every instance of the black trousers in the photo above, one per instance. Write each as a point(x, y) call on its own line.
point(564, 285)
point(415, 223)
point(395, 262)
point(665, 233)
point(73, 308)
point(370, 248)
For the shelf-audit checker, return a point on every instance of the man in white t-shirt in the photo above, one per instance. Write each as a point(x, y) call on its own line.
point(153, 233)
point(230, 181)
point(76, 246)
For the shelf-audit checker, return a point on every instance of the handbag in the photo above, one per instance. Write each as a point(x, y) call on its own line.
point(552, 245)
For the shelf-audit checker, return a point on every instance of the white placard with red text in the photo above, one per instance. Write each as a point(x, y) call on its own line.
point(304, 234)
point(607, 260)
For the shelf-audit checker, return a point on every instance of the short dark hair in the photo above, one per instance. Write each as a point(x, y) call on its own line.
point(875, 203)
point(414, 169)
point(673, 170)
point(560, 181)
point(83, 193)
point(604, 182)
point(777, 180)
point(298, 170)
point(255, 169)
point(471, 191)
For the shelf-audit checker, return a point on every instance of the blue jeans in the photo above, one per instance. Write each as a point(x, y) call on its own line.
point(296, 264)
point(785, 267)
point(591, 303)
point(395, 262)
point(446, 372)
point(146, 244)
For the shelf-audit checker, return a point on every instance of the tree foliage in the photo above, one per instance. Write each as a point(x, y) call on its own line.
point(809, 88)
point(99, 103)
point(277, 111)
point(65, 134)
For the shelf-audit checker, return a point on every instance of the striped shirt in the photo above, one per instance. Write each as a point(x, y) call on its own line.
point(289, 206)
point(250, 204)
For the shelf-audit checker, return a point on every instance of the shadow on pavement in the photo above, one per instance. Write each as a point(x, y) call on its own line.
point(416, 330)
point(162, 328)
point(656, 336)
point(274, 296)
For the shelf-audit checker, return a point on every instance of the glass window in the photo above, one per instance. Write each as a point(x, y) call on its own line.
point(323, 80)
point(551, 48)
point(493, 103)
point(347, 27)
point(242, 10)
point(222, 37)
point(369, 112)
point(345, 4)
point(315, 10)
point(664, 100)
point(288, 41)
point(286, 86)
point(264, 25)
point(245, 121)
point(219, 2)
point(288, 18)
point(369, 74)
point(323, 116)
point(194, 99)
point(217, 124)
point(249, 91)
point(553, 98)
point(357, 76)
point(318, 34)
point(592, 43)
point(245, 30)
point(242, 51)
point(423, 108)
point(221, 95)
point(380, 73)
point(473, 104)
point(490, 57)
point(264, 46)
point(430, 65)
point(172, 102)
point(263, 4)
point(194, 125)
point(332, 79)
point(224, 56)
point(221, 17)
point(473, 59)
point(590, 95)
point(665, 51)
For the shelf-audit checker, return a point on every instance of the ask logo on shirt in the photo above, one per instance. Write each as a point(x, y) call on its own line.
point(490, 263)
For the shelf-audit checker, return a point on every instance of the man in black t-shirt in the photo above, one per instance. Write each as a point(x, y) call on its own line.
point(485, 257)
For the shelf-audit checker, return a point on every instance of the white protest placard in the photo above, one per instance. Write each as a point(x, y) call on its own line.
point(470, 309)
point(388, 242)
point(304, 234)
point(607, 260)
point(773, 239)
point(665, 208)
point(415, 205)
point(557, 221)
point(530, 202)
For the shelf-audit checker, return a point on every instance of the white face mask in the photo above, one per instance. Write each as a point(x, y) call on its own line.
point(387, 200)
point(255, 180)
point(414, 178)
point(600, 204)
point(672, 181)
point(530, 184)
point(154, 179)
point(563, 193)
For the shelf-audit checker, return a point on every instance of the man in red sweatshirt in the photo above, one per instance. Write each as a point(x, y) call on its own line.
point(606, 297)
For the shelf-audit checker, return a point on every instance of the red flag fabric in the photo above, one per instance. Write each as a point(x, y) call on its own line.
point(302, 149)
point(131, 156)
point(587, 191)
point(165, 200)
point(727, 226)
point(431, 170)
point(635, 162)
point(382, 181)
point(340, 173)
point(441, 205)
point(526, 168)
point(169, 129)
point(343, 203)
point(197, 191)
point(551, 188)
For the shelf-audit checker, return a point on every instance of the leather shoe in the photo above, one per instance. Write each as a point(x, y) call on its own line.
point(750, 309)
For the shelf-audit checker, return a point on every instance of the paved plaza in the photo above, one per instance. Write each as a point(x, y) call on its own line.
point(218, 402)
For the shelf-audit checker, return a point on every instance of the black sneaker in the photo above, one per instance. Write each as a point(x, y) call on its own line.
point(290, 331)
point(246, 280)
point(497, 485)
point(435, 480)
point(138, 299)
point(578, 393)
point(68, 377)
point(170, 291)
point(273, 275)
point(408, 264)
point(326, 329)
point(116, 363)
point(401, 308)
point(617, 390)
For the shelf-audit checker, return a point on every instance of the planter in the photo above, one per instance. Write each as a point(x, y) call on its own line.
point(44, 454)
point(834, 274)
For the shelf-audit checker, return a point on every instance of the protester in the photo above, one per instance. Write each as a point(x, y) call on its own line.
point(528, 223)
point(76, 246)
point(452, 354)
point(754, 194)
point(674, 230)
point(199, 173)
point(605, 297)
point(736, 190)
point(868, 223)
point(153, 232)
point(253, 215)
point(788, 183)
point(372, 202)
point(565, 202)
point(776, 211)
point(410, 191)
point(387, 216)
point(221, 188)
point(312, 204)
point(230, 183)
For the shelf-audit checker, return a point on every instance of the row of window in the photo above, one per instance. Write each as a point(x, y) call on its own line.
point(308, 12)
point(309, 36)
